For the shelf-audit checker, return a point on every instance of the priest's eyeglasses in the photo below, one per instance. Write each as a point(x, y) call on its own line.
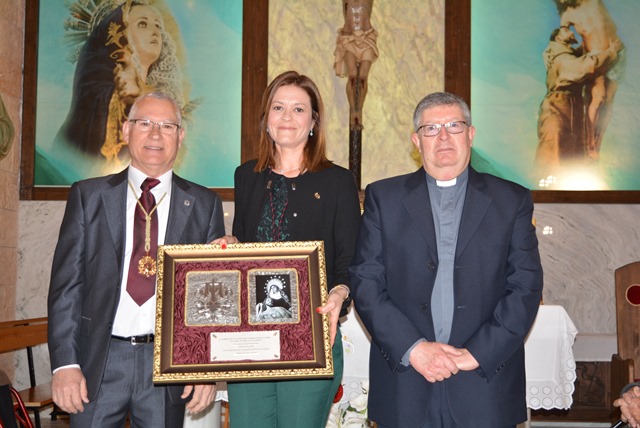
point(144, 125)
point(433, 129)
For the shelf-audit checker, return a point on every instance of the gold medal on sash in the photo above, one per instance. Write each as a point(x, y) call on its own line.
point(147, 264)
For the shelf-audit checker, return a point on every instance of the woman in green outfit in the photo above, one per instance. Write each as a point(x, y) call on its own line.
point(292, 192)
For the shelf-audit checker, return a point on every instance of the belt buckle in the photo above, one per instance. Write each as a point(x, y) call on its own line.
point(140, 340)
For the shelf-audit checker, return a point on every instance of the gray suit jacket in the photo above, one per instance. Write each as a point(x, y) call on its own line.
point(88, 264)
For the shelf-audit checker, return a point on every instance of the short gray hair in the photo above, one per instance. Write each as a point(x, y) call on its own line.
point(158, 95)
point(438, 99)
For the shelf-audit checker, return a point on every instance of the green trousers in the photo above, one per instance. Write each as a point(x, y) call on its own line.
point(286, 403)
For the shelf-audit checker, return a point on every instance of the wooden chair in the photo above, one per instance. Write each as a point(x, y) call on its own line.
point(23, 335)
point(225, 414)
point(625, 365)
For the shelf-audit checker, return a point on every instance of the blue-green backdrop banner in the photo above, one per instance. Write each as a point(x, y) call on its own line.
point(202, 45)
point(508, 85)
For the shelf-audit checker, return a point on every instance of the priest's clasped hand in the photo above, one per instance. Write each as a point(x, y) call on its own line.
point(438, 361)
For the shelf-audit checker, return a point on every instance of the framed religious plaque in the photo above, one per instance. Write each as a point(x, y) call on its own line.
point(246, 312)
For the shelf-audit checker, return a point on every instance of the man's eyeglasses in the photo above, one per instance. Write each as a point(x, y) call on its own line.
point(433, 129)
point(166, 128)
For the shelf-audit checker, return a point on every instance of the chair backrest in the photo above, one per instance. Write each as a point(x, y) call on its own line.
point(24, 334)
point(628, 313)
point(19, 334)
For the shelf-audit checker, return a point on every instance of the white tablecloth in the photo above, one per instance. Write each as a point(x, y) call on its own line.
point(550, 365)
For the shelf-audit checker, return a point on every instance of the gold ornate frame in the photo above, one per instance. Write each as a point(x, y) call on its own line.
point(182, 351)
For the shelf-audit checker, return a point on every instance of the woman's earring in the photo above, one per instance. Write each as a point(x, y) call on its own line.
point(311, 133)
point(267, 130)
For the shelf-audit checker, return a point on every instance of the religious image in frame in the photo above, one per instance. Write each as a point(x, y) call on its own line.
point(213, 298)
point(273, 296)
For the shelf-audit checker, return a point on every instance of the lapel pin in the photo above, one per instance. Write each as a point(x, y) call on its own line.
point(187, 202)
point(317, 195)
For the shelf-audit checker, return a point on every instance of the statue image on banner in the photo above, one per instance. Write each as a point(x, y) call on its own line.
point(125, 50)
point(581, 84)
point(563, 122)
point(95, 57)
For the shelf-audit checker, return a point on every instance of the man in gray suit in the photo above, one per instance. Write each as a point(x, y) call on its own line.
point(100, 329)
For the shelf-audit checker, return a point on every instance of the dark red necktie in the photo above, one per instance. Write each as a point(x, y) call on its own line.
point(141, 283)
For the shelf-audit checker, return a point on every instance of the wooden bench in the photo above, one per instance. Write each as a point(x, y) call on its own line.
point(24, 334)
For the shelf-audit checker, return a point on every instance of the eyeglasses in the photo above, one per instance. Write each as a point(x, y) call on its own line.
point(433, 129)
point(144, 125)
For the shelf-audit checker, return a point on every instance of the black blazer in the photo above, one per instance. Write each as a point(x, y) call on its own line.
point(497, 289)
point(88, 264)
point(323, 207)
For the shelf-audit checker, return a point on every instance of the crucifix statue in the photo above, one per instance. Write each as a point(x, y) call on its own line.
point(356, 50)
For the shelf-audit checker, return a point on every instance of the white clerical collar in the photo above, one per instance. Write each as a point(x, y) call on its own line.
point(447, 183)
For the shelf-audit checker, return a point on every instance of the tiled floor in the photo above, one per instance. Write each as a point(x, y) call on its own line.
point(46, 422)
point(64, 422)
point(567, 424)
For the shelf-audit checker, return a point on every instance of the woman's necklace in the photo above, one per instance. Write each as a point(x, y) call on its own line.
point(282, 171)
point(146, 264)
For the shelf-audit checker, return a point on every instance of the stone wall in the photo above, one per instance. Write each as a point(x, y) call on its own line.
point(12, 36)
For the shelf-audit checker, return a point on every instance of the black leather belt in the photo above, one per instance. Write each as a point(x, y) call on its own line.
point(136, 340)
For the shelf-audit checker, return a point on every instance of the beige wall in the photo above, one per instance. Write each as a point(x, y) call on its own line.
point(11, 34)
